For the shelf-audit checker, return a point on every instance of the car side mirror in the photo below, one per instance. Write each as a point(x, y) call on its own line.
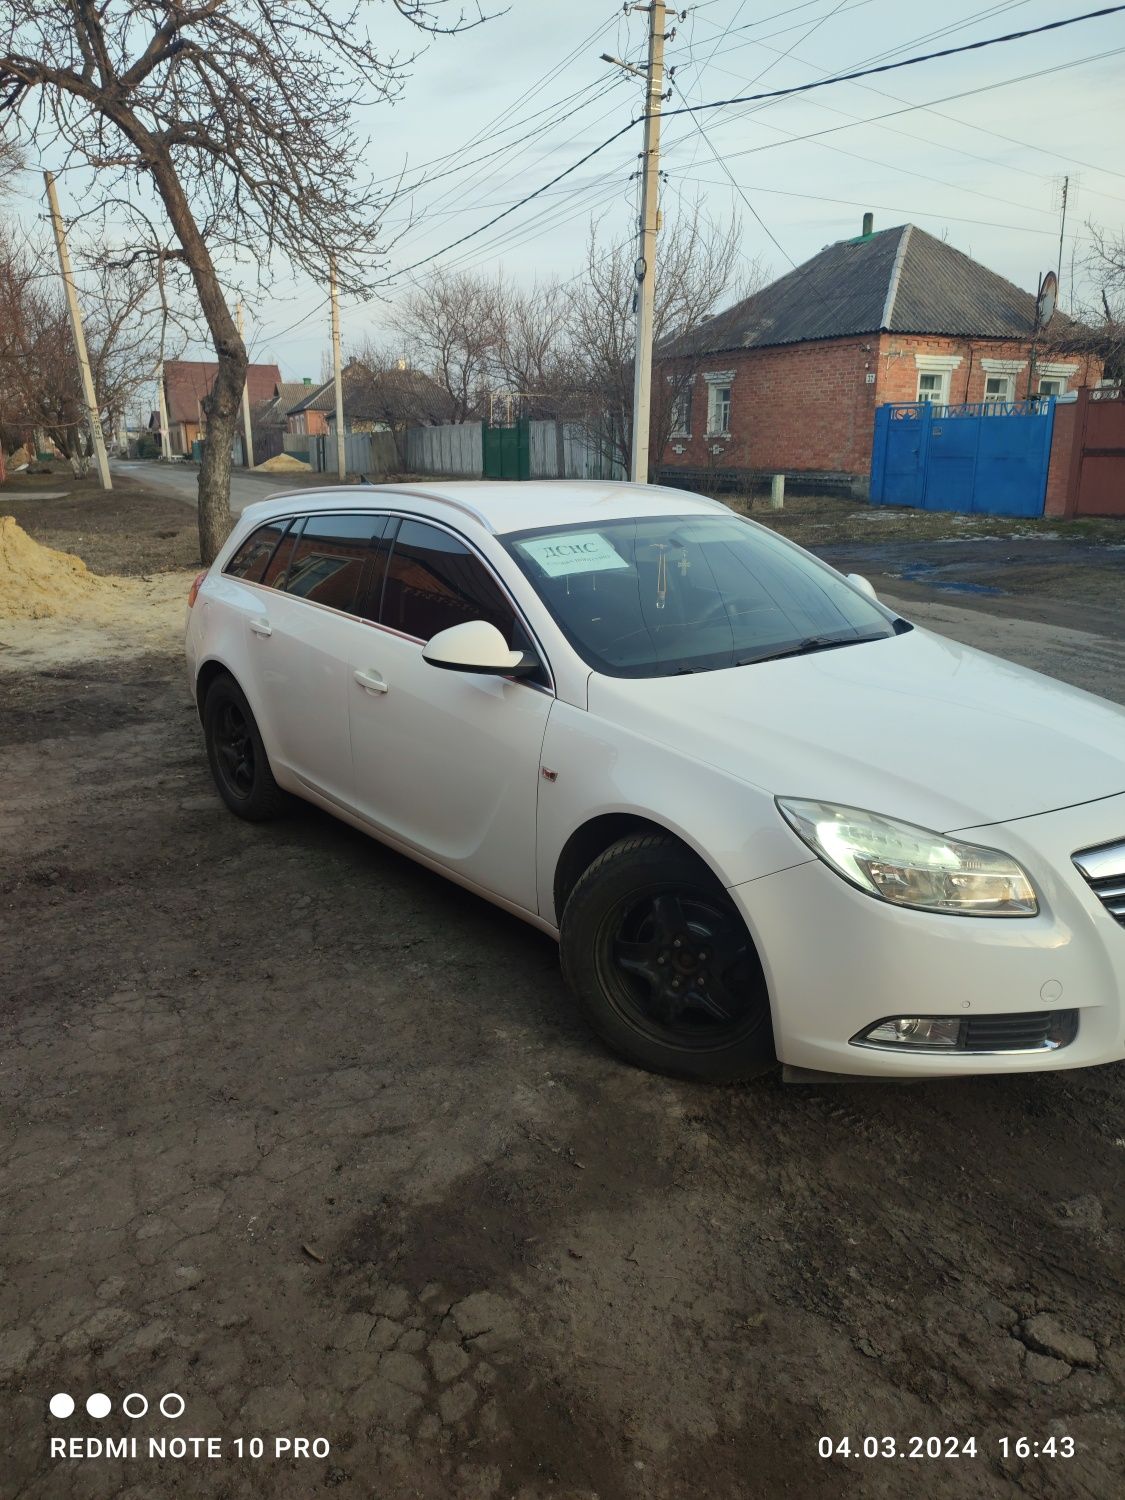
point(864, 585)
point(477, 646)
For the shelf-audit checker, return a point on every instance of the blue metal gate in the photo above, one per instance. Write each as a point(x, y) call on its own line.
point(987, 457)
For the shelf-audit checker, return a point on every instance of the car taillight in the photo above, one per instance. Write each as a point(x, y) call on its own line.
point(197, 583)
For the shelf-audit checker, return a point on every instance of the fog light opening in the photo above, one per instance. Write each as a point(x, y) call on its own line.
point(930, 1032)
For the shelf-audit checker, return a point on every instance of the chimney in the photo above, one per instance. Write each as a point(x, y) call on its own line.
point(307, 380)
point(868, 223)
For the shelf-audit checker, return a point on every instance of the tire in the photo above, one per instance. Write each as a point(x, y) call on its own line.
point(237, 756)
point(662, 965)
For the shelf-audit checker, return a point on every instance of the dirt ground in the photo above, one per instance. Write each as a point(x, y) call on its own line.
point(309, 1136)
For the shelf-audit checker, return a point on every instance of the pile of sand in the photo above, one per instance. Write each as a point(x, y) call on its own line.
point(283, 463)
point(38, 583)
point(53, 610)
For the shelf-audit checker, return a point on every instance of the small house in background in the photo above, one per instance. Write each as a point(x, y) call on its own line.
point(384, 399)
point(787, 381)
point(186, 384)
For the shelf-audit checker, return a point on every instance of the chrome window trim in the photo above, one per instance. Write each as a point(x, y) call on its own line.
point(404, 515)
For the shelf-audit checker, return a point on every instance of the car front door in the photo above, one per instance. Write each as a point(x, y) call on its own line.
point(447, 761)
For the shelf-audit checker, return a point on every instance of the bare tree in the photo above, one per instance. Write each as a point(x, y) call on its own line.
point(1100, 333)
point(696, 271)
point(450, 325)
point(238, 116)
point(38, 368)
point(534, 358)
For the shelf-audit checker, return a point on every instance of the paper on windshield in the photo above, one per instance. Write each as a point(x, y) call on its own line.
point(581, 552)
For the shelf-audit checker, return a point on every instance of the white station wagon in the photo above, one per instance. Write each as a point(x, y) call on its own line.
point(765, 817)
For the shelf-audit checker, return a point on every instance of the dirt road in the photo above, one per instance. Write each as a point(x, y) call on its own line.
point(305, 1134)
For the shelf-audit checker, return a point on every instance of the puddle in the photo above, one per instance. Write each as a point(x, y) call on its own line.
point(927, 573)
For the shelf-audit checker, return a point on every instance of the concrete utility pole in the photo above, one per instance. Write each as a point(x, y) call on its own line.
point(341, 459)
point(165, 435)
point(247, 430)
point(646, 258)
point(79, 336)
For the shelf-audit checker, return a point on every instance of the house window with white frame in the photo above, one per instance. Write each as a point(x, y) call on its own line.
point(999, 388)
point(1054, 379)
point(718, 410)
point(932, 386)
point(681, 412)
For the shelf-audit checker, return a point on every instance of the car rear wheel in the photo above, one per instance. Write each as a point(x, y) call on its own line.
point(662, 965)
point(237, 755)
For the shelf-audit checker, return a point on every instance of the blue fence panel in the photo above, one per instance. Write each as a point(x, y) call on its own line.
point(983, 457)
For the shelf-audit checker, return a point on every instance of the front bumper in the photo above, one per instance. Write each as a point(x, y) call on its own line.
point(836, 959)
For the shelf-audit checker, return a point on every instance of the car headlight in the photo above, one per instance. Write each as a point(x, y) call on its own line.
point(912, 866)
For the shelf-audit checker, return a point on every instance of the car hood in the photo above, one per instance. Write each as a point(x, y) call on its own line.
point(915, 726)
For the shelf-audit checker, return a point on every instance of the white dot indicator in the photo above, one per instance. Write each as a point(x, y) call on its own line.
point(173, 1396)
point(135, 1410)
point(62, 1405)
point(98, 1405)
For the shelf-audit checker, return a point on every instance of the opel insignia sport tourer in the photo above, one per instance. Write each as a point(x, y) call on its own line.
point(765, 816)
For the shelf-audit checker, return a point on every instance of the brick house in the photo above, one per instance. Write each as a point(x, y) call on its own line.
point(188, 381)
point(787, 380)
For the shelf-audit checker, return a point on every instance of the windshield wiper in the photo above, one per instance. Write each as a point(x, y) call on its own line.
point(810, 644)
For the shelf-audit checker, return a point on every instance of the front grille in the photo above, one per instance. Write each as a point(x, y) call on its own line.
point(1030, 1031)
point(1104, 871)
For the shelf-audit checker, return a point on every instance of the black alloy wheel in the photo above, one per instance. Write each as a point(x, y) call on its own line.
point(663, 966)
point(235, 749)
point(238, 759)
point(679, 966)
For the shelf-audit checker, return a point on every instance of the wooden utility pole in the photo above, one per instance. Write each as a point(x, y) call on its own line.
point(165, 435)
point(341, 459)
point(247, 430)
point(646, 256)
point(79, 336)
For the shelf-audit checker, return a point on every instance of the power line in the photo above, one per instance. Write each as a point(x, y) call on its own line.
point(909, 62)
point(921, 213)
point(801, 88)
point(945, 145)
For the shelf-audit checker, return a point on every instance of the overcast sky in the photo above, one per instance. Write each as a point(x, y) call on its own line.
point(527, 92)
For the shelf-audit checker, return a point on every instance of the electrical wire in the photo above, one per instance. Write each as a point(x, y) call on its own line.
point(796, 89)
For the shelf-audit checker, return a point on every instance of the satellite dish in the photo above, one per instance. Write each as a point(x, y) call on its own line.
point(1048, 299)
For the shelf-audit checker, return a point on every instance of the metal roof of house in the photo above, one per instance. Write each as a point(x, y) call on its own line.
point(899, 280)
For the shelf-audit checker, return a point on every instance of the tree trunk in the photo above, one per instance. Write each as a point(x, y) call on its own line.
point(222, 409)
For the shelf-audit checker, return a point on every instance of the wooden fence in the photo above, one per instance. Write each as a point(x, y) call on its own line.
point(571, 450)
point(370, 453)
point(454, 449)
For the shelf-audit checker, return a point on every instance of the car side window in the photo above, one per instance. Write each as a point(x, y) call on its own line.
point(278, 565)
point(433, 581)
point(250, 560)
point(330, 557)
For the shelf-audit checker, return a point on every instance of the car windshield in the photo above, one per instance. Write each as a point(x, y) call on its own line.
point(668, 594)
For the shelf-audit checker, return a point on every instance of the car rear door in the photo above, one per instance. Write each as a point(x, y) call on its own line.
point(448, 762)
point(309, 629)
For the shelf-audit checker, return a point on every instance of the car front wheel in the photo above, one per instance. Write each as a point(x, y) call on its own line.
point(662, 965)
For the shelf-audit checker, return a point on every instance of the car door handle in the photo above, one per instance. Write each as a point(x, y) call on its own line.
point(261, 627)
point(371, 681)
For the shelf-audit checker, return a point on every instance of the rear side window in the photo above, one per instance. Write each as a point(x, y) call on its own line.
point(433, 581)
point(250, 560)
point(329, 559)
